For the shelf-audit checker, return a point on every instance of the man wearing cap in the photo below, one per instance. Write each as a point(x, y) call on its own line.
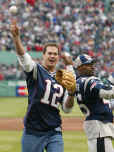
point(93, 98)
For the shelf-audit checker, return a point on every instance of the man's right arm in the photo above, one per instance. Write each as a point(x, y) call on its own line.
point(26, 62)
point(16, 38)
point(24, 58)
point(96, 88)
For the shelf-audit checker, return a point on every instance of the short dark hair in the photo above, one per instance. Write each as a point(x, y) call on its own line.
point(50, 44)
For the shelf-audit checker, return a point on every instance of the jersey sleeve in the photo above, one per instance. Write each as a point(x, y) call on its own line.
point(94, 87)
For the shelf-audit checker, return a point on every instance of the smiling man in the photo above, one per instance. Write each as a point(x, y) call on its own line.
point(42, 123)
point(50, 56)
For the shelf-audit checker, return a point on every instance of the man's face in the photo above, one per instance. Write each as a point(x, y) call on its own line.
point(51, 57)
point(87, 69)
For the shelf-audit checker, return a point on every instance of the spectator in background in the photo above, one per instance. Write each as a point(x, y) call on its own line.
point(70, 21)
point(111, 78)
point(1, 76)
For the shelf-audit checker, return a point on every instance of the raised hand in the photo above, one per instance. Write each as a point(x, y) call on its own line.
point(67, 58)
point(14, 29)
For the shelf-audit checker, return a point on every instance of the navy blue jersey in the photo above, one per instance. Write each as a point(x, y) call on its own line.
point(44, 97)
point(90, 103)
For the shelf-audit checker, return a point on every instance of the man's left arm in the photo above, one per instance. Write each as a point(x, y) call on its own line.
point(68, 102)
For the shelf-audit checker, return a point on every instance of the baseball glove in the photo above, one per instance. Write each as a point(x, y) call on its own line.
point(66, 79)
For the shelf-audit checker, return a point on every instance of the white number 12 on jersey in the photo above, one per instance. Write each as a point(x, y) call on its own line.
point(54, 102)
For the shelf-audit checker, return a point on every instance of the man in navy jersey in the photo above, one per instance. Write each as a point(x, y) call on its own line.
point(93, 97)
point(95, 101)
point(42, 123)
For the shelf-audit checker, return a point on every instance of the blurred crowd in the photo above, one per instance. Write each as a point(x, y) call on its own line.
point(11, 72)
point(78, 26)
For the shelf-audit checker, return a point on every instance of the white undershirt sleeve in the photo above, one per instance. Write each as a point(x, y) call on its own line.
point(26, 62)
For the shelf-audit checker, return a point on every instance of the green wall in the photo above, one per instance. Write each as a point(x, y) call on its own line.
point(10, 57)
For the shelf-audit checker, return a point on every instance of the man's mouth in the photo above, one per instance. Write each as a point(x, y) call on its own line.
point(51, 61)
